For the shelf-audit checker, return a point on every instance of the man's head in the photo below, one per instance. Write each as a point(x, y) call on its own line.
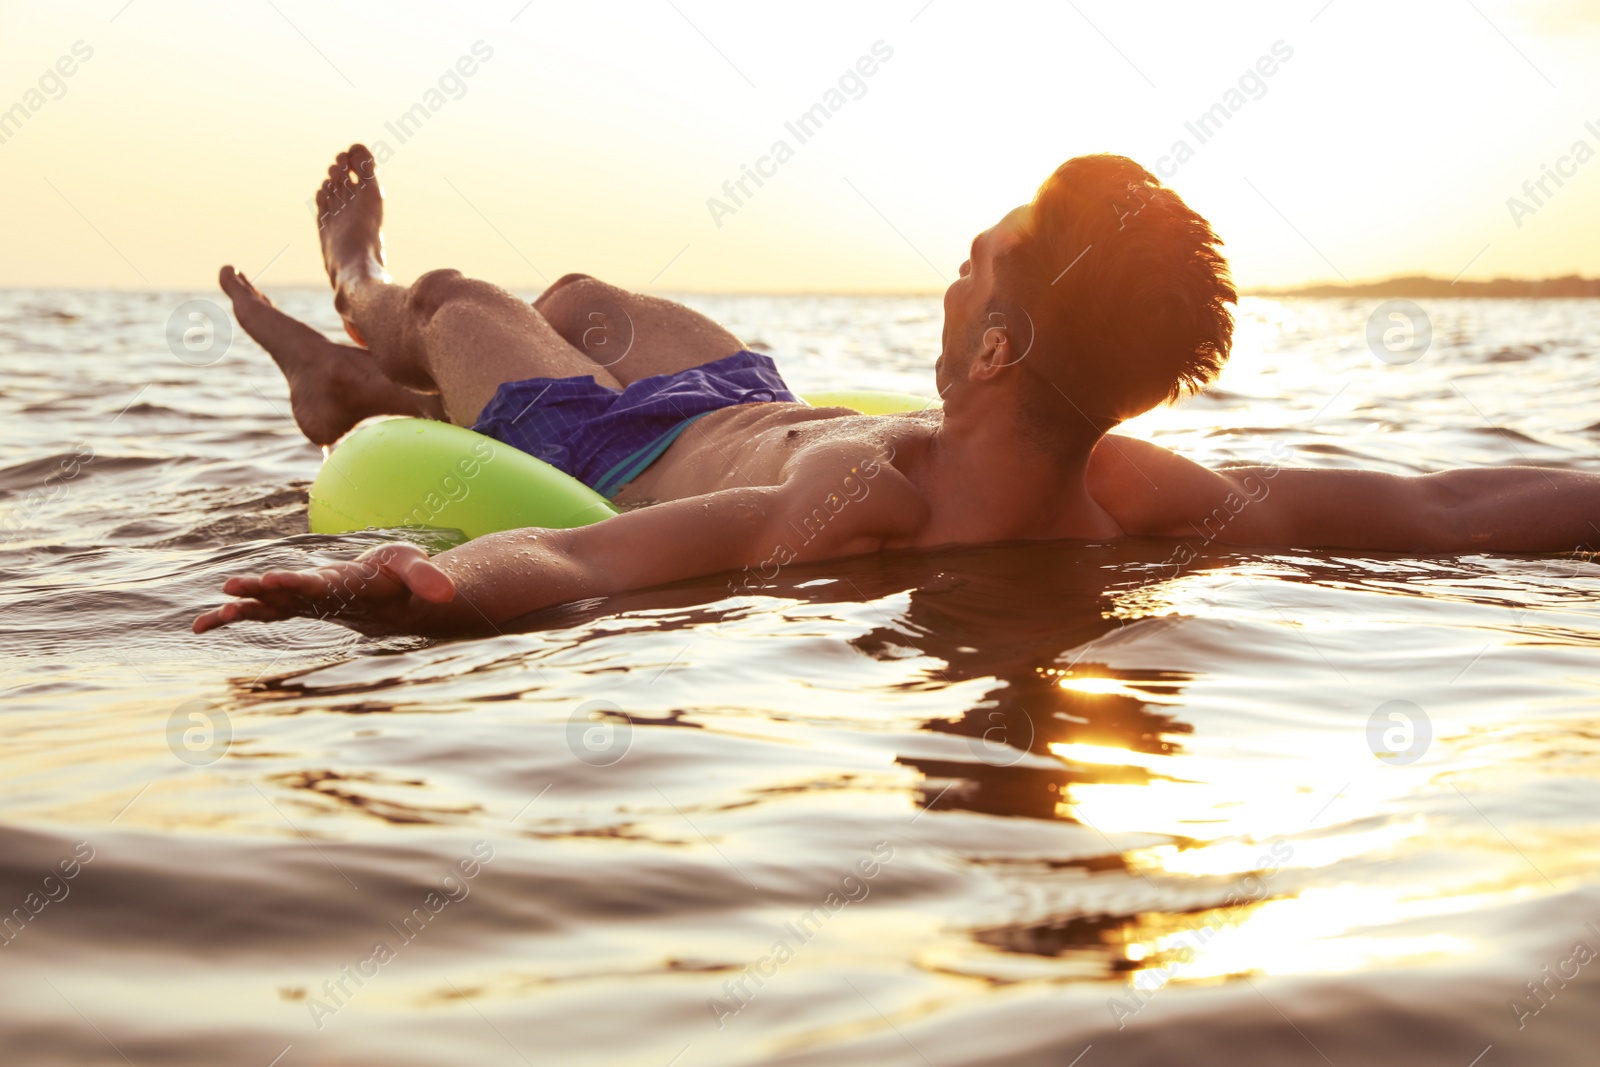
point(1097, 301)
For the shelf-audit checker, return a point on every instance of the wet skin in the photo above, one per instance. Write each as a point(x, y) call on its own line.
point(765, 485)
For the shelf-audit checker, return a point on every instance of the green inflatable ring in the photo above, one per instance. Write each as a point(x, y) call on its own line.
point(871, 403)
point(420, 473)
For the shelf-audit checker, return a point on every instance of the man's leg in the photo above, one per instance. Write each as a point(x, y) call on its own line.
point(331, 386)
point(631, 335)
point(449, 334)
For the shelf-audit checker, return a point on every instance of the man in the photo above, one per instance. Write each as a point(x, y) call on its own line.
point(1103, 297)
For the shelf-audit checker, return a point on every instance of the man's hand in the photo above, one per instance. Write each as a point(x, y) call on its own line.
point(386, 590)
point(837, 503)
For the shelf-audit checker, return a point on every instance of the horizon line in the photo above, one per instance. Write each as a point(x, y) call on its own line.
point(1254, 290)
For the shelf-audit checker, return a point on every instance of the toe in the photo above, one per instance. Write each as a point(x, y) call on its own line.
point(240, 289)
point(362, 162)
point(335, 194)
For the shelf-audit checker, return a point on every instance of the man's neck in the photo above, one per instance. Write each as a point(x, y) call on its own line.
point(992, 477)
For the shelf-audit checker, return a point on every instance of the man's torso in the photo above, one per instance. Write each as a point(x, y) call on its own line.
point(756, 444)
point(763, 444)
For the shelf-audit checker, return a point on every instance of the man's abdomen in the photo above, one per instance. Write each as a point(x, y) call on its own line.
point(739, 446)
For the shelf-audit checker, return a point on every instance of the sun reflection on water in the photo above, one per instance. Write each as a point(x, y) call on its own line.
point(1244, 857)
point(1244, 847)
point(1313, 933)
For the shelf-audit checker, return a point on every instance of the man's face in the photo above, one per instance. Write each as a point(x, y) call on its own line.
point(968, 299)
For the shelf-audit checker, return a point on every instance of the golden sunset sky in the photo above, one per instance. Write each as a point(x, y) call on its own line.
point(593, 135)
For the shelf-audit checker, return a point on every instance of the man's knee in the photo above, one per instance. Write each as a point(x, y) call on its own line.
point(567, 293)
point(437, 288)
point(572, 298)
point(564, 281)
point(593, 316)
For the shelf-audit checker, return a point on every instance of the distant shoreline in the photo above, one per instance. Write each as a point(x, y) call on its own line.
point(1568, 287)
point(1413, 287)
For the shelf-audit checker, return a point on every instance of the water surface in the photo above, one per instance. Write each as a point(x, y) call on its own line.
point(1013, 804)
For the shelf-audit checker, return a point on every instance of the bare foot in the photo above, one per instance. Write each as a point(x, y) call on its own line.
point(350, 223)
point(331, 386)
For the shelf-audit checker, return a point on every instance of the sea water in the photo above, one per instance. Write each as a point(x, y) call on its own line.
point(1057, 803)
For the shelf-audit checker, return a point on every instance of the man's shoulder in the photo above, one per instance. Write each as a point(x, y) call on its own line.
point(1148, 489)
point(849, 495)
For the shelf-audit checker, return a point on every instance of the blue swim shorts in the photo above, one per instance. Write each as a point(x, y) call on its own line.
point(604, 437)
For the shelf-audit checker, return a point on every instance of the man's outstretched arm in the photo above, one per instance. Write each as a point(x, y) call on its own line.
point(825, 510)
point(1154, 492)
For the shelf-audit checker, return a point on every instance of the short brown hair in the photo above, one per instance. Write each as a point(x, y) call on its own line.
point(1126, 292)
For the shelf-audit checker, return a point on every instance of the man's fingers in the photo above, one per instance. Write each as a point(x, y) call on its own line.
point(260, 612)
point(242, 585)
point(342, 591)
point(208, 620)
point(304, 583)
point(425, 579)
point(286, 598)
point(411, 567)
point(235, 610)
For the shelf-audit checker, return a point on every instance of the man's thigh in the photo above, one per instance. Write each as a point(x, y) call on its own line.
point(632, 335)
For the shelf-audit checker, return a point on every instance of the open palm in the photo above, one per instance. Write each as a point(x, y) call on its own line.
point(386, 590)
